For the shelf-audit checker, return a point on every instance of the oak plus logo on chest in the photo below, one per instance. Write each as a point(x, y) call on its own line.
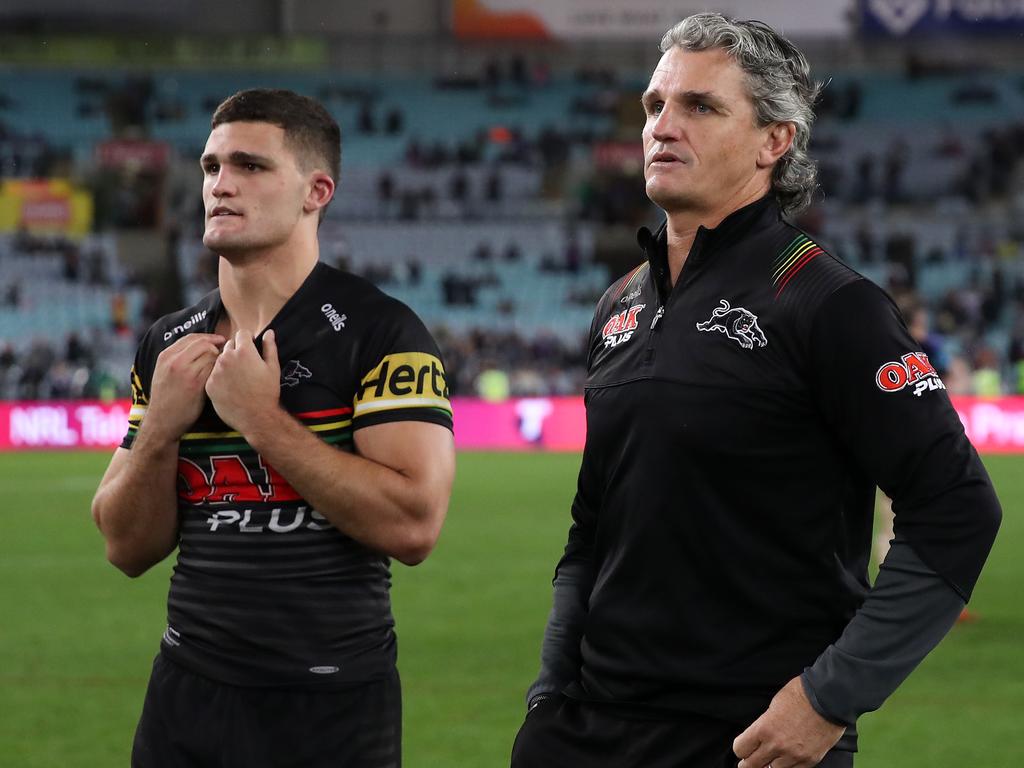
point(737, 323)
point(913, 369)
point(621, 325)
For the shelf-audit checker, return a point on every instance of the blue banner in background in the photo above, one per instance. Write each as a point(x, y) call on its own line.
point(899, 18)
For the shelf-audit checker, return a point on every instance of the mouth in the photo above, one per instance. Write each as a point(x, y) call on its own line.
point(221, 211)
point(664, 158)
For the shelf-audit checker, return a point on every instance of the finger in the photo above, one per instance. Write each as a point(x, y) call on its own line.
point(270, 350)
point(761, 757)
point(200, 352)
point(203, 374)
point(745, 744)
point(196, 338)
point(243, 339)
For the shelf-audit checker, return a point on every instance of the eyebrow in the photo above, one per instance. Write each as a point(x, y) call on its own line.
point(237, 158)
point(712, 98)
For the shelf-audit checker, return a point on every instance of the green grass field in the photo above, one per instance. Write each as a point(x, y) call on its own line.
point(77, 638)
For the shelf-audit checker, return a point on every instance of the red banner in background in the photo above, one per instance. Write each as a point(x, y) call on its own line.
point(524, 424)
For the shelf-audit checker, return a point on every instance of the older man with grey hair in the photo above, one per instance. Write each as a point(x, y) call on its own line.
point(745, 393)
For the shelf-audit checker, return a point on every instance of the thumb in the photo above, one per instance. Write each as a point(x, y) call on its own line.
point(270, 350)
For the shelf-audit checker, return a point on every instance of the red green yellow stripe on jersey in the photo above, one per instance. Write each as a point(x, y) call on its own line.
point(797, 255)
point(332, 426)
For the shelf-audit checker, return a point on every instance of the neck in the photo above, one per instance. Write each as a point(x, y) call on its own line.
point(682, 225)
point(254, 286)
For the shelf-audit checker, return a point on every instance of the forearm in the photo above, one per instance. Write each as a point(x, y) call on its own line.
point(136, 511)
point(374, 504)
point(560, 648)
point(560, 657)
point(908, 611)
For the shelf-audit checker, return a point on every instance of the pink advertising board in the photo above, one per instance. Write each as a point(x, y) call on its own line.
point(552, 424)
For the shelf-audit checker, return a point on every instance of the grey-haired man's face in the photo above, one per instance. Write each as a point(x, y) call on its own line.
point(701, 141)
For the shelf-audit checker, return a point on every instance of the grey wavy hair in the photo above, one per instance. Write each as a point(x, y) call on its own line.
point(780, 87)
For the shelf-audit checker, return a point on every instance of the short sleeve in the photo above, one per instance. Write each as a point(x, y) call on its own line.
point(402, 375)
point(140, 394)
point(888, 407)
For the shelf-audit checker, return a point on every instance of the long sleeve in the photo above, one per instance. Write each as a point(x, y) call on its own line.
point(905, 615)
point(573, 581)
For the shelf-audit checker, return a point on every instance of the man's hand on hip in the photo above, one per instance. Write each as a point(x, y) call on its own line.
point(245, 386)
point(177, 390)
point(790, 734)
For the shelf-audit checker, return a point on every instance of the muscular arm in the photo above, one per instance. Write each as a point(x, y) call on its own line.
point(135, 506)
point(392, 497)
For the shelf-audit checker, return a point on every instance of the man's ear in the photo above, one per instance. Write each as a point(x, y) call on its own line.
point(777, 141)
point(321, 191)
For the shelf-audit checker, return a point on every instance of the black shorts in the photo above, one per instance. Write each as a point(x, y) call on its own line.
point(561, 732)
point(190, 721)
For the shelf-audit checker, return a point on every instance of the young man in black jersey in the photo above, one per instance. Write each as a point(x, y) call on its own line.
point(745, 393)
point(289, 434)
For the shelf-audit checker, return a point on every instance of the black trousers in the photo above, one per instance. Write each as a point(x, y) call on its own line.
point(190, 721)
point(565, 733)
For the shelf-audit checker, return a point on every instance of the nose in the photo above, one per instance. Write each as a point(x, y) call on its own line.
point(223, 184)
point(664, 126)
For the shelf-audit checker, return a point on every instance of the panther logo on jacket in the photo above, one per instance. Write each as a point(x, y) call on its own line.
point(737, 323)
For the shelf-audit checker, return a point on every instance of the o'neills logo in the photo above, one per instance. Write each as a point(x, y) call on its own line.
point(194, 320)
point(335, 318)
point(912, 369)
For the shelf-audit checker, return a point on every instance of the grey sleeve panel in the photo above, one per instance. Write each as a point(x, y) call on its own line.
point(560, 649)
point(905, 615)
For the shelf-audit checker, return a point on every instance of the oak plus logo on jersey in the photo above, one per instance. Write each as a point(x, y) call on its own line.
point(913, 369)
point(334, 317)
point(737, 323)
point(620, 326)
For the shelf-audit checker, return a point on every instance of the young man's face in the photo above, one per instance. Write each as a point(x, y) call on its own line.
point(701, 140)
point(253, 188)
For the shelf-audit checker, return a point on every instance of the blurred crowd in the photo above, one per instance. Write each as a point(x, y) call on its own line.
point(973, 332)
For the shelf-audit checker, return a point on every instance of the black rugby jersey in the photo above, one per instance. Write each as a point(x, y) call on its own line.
point(265, 591)
point(737, 425)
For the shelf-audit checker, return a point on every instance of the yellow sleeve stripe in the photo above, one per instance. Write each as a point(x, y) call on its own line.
point(402, 402)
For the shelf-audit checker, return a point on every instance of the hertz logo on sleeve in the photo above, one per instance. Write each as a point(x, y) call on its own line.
point(403, 380)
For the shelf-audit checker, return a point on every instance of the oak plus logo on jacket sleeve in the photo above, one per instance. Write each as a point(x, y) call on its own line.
point(913, 369)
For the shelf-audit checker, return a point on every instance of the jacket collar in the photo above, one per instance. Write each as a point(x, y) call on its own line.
point(707, 241)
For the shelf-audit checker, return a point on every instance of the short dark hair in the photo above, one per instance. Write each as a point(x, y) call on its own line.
point(309, 129)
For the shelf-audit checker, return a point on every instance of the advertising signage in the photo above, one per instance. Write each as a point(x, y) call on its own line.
point(900, 18)
point(525, 424)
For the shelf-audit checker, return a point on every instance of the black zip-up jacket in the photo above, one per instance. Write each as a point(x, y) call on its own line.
point(737, 425)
